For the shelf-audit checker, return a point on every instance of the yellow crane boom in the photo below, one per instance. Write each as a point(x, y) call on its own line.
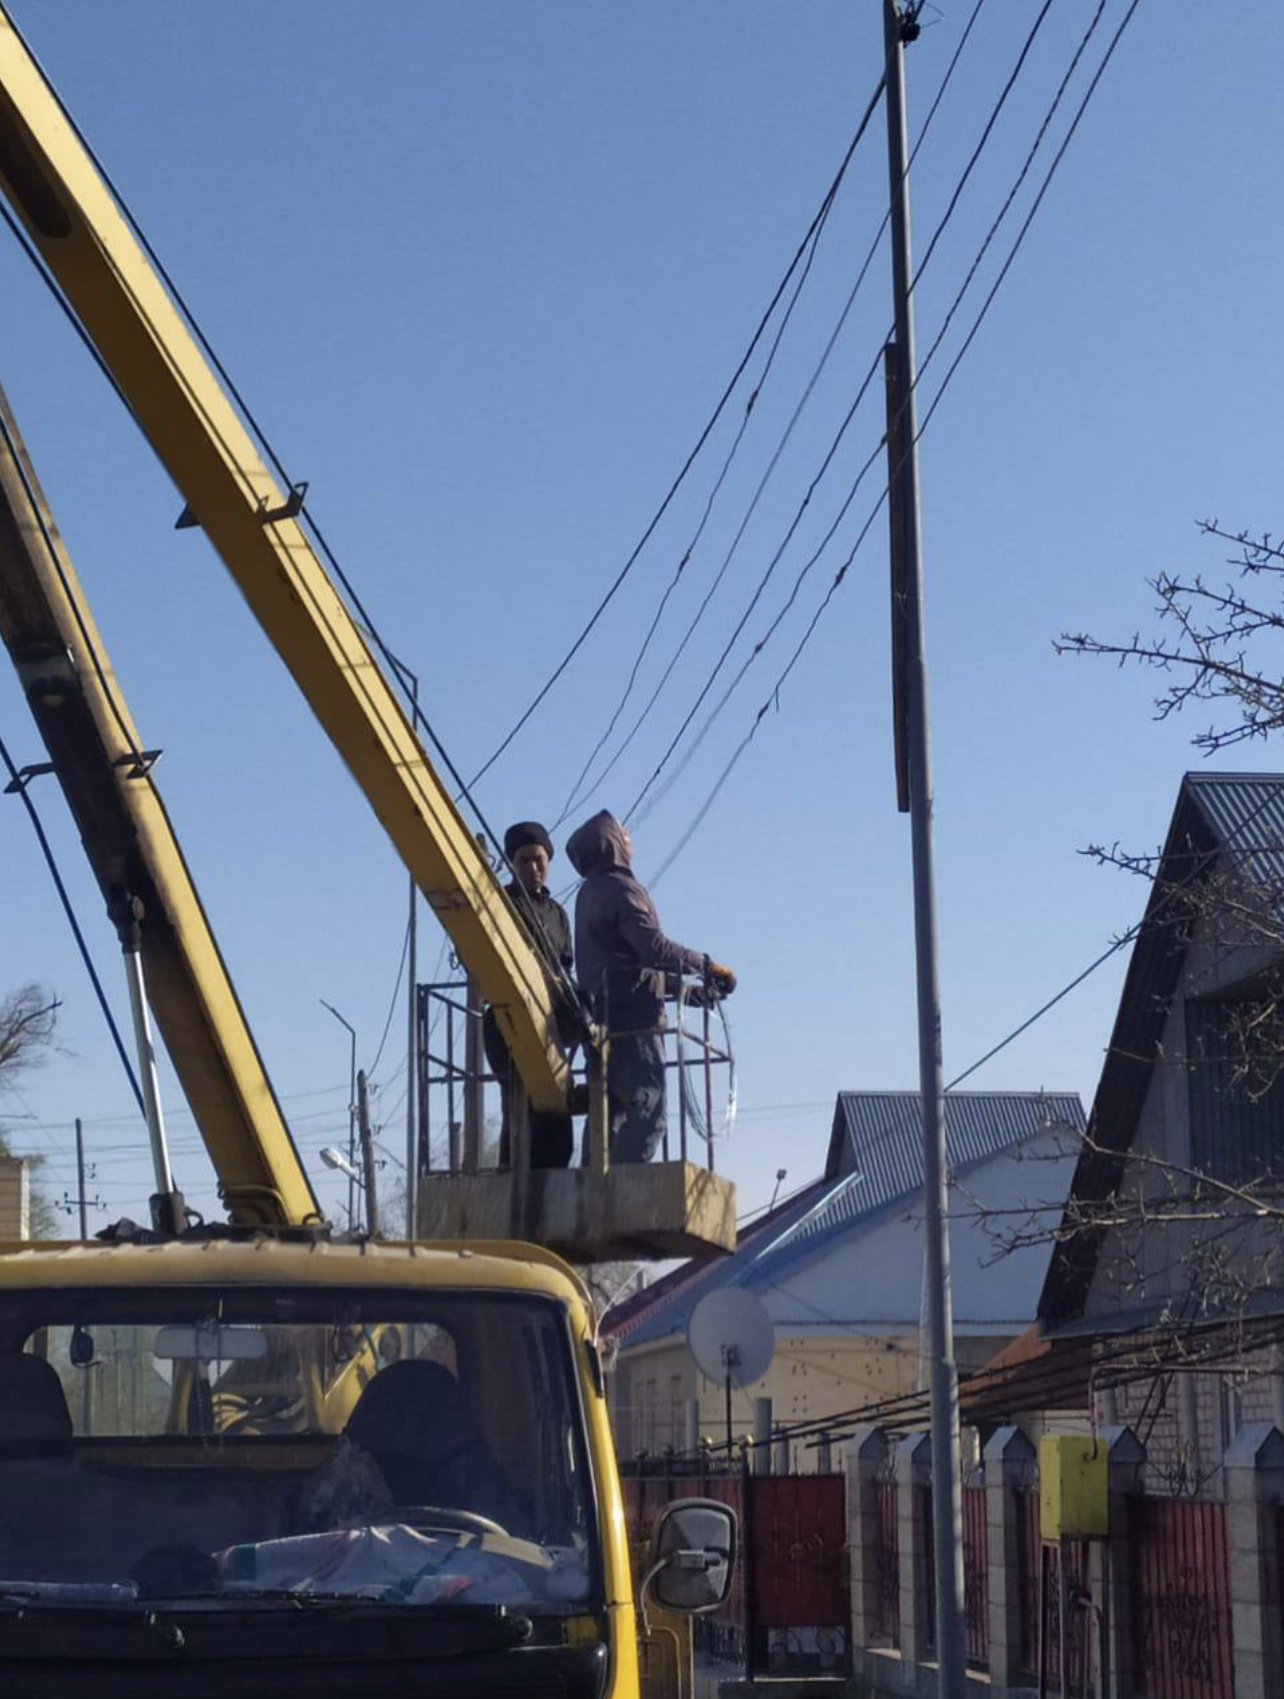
point(76, 227)
point(105, 774)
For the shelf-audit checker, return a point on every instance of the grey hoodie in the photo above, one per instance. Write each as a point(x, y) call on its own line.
point(619, 947)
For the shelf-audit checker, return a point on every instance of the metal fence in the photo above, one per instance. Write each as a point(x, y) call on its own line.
point(888, 1621)
point(1181, 1599)
point(976, 1587)
point(1041, 1593)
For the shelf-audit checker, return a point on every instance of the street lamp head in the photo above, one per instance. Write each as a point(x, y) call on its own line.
point(333, 1157)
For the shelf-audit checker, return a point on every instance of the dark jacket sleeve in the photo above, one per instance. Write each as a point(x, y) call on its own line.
point(638, 927)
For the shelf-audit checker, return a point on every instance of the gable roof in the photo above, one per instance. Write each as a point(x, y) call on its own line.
point(1218, 816)
point(874, 1163)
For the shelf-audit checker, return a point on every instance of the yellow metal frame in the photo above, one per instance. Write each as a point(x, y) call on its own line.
point(74, 223)
point(93, 743)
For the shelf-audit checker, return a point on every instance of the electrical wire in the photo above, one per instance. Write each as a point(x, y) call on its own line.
point(821, 214)
point(68, 909)
point(774, 697)
point(813, 243)
point(860, 278)
point(392, 1004)
point(941, 226)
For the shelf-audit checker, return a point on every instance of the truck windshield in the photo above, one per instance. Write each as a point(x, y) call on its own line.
point(228, 1444)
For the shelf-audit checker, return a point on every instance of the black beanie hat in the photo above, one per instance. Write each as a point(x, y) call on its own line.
point(527, 832)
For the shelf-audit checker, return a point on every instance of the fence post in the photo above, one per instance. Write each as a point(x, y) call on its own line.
point(762, 1436)
point(1254, 1489)
point(1109, 1560)
point(866, 1461)
point(913, 1482)
point(1010, 1471)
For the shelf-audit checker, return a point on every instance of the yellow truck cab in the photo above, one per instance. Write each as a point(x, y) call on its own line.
point(246, 1462)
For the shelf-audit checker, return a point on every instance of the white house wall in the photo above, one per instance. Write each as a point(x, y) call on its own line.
point(872, 1279)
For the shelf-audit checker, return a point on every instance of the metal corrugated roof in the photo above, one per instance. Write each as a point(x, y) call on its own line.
point(1218, 816)
point(875, 1162)
point(1245, 812)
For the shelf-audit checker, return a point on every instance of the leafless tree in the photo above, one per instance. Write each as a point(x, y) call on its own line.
point(1211, 642)
point(27, 1020)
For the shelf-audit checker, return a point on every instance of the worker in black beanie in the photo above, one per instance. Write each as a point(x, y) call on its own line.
point(528, 849)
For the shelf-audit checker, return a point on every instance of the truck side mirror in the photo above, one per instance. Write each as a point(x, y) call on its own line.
point(693, 1555)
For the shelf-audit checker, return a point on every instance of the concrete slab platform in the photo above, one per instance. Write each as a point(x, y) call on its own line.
point(647, 1211)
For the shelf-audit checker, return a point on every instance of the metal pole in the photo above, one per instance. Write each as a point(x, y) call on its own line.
point(87, 1388)
point(81, 1199)
point(127, 913)
point(352, 1109)
point(412, 1037)
point(474, 1081)
point(423, 1161)
point(367, 1156)
point(947, 1493)
point(412, 1070)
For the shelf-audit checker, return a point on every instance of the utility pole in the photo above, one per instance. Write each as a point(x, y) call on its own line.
point(81, 1202)
point(367, 1155)
point(899, 26)
point(352, 1108)
point(87, 1385)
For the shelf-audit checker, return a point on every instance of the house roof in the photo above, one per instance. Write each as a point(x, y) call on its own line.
point(1219, 817)
point(874, 1163)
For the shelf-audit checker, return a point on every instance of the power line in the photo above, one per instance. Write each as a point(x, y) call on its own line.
point(850, 301)
point(393, 1001)
point(820, 216)
point(941, 226)
point(52, 864)
point(754, 396)
point(773, 698)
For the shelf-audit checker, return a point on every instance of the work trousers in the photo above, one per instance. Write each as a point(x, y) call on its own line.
point(635, 1096)
point(552, 1136)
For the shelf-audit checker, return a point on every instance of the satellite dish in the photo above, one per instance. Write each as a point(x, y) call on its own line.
point(731, 1337)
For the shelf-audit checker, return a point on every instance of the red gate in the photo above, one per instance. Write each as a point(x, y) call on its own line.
point(722, 1633)
point(1181, 1599)
point(796, 1573)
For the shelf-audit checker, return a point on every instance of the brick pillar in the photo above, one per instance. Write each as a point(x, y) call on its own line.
point(15, 1199)
point(913, 1475)
point(1254, 1491)
point(866, 1462)
point(1010, 1471)
point(1110, 1576)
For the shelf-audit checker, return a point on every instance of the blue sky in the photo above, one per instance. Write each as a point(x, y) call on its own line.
point(482, 271)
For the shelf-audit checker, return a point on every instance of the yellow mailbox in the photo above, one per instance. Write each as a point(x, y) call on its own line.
point(1073, 1494)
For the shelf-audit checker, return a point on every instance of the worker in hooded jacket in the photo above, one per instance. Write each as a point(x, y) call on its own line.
point(625, 965)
